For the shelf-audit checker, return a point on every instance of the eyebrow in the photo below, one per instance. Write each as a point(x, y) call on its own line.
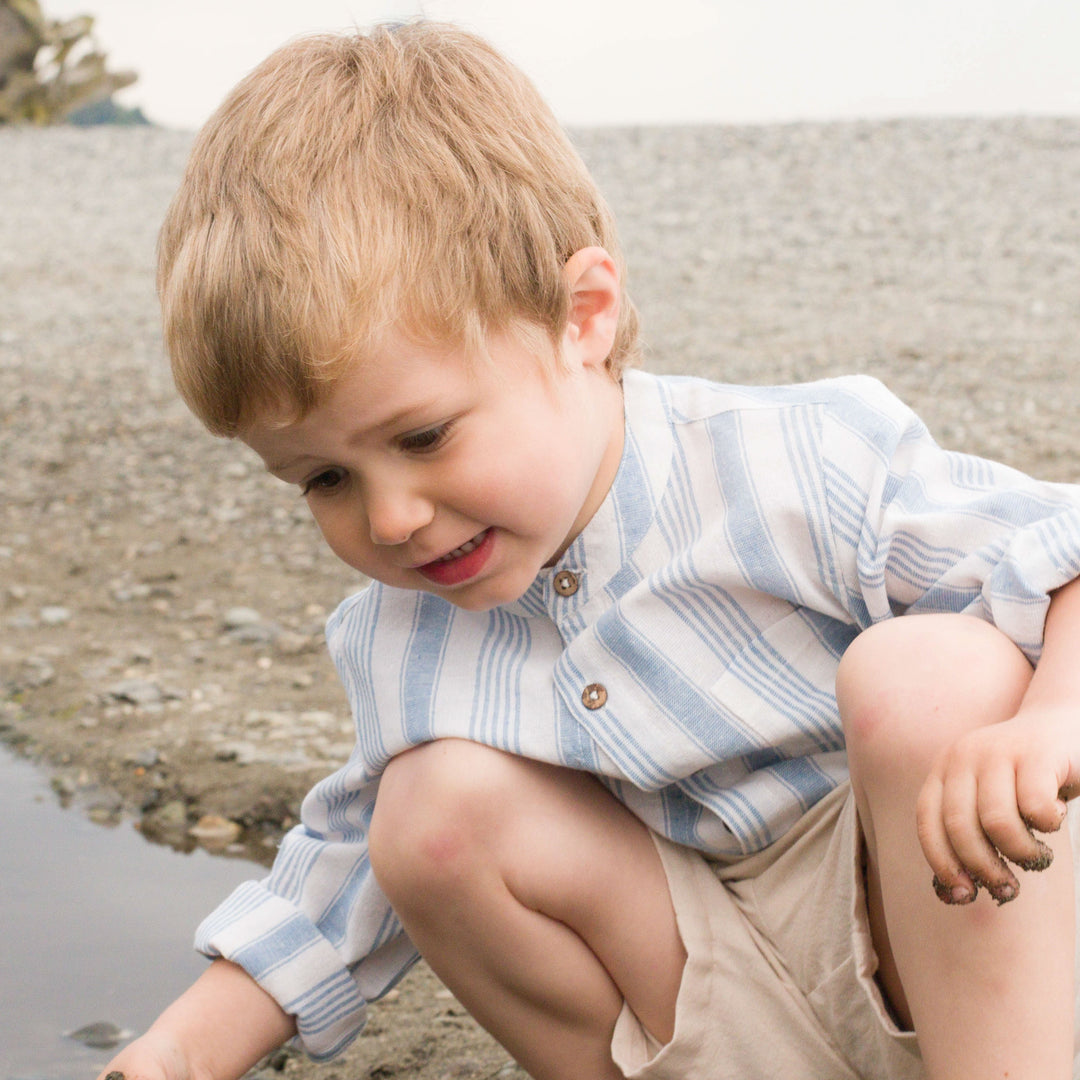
point(395, 419)
point(407, 414)
point(278, 467)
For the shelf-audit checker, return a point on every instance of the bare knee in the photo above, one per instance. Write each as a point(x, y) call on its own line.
point(910, 686)
point(436, 805)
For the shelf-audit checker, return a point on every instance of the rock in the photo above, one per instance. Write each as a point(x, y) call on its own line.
point(243, 753)
point(144, 759)
point(169, 819)
point(102, 803)
point(253, 633)
point(64, 786)
point(212, 830)
point(136, 692)
point(125, 593)
point(102, 1035)
point(237, 617)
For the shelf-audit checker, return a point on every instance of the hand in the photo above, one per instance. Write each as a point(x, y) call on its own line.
point(985, 795)
point(151, 1057)
point(218, 1028)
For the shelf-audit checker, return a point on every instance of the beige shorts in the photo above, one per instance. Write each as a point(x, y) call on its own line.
point(779, 977)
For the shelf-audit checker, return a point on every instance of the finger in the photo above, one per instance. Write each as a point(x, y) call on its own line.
point(1042, 802)
point(978, 856)
point(1004, 824)
point(1041, 794)
point(951, 881)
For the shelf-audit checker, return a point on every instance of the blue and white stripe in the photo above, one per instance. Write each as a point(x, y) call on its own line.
point(749, 536)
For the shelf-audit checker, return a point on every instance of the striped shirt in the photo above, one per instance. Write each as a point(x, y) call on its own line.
point(684, 649)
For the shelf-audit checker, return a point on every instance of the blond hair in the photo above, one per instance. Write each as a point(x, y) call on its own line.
point(410, 178)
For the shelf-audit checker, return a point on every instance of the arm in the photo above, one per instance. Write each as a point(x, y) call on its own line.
point(989, 790)
point(219, 1028)
point(919, 529)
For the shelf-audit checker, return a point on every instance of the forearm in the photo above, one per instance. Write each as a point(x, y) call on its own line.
point(1057, 677)
point(217, 1030)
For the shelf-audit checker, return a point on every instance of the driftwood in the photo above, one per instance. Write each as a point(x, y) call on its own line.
point(50, 68)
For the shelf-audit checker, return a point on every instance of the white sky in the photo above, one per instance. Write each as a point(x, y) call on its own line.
point(640, 61)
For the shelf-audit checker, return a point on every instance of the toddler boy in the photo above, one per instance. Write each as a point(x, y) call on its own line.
point(627, 635)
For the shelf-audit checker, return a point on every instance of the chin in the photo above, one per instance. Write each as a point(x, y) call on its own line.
point(481, 598)
point(469, 600)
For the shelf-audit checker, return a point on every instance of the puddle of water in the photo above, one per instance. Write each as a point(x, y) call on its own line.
point(96, 924)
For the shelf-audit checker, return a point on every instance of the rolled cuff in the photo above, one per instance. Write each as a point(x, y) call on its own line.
point(285, 953)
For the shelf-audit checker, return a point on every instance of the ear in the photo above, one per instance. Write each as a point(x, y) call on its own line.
point(593, 281)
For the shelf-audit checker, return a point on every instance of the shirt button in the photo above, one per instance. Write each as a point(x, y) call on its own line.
point(566, 583)
point(594, 696)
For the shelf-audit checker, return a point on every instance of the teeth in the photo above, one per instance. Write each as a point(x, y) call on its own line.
point(469, 545)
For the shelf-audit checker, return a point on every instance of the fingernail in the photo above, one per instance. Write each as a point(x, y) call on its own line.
point(954, 894)
point(1003, 893)
point(1040, 861)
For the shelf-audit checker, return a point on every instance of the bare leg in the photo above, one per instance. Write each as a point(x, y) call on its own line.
point(535, 896)
point(988, 989)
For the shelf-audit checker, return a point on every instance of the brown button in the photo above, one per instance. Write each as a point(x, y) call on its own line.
point(566, 583)
point(594, 696)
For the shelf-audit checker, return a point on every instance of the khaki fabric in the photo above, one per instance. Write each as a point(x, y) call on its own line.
point(779, 977)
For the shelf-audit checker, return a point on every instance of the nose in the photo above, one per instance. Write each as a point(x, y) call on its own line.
point(394, 514)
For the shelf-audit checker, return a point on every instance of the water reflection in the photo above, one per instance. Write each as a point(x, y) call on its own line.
point(95, 925)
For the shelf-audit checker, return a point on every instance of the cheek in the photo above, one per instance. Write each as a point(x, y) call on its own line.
point(513, 492)
point(342, 537)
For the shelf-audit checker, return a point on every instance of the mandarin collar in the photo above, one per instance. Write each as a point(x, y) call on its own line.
point(599, 555)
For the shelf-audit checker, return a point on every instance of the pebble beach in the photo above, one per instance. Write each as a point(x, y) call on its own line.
point(162, 599)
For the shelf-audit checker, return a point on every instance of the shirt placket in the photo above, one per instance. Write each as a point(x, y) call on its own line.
point(566, 601)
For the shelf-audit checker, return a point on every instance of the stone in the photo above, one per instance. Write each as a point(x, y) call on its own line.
point(212, 830)
point(236, 618)
point(258, 633)
point(243, 753)
point(170, 817)
point(136, 692)
point(101, 1035)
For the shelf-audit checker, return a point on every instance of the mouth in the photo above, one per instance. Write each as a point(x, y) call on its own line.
point(462, 563)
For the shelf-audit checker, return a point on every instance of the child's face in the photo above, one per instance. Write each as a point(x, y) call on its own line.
point(427, 472)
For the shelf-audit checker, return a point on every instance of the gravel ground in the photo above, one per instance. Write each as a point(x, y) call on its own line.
point(162, 600)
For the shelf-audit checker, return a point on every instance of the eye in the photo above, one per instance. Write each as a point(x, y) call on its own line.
point(419, 442)
point(326, 481)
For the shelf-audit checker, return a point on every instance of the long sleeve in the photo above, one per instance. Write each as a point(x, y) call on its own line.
point(918, 528)
point(317, 934)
